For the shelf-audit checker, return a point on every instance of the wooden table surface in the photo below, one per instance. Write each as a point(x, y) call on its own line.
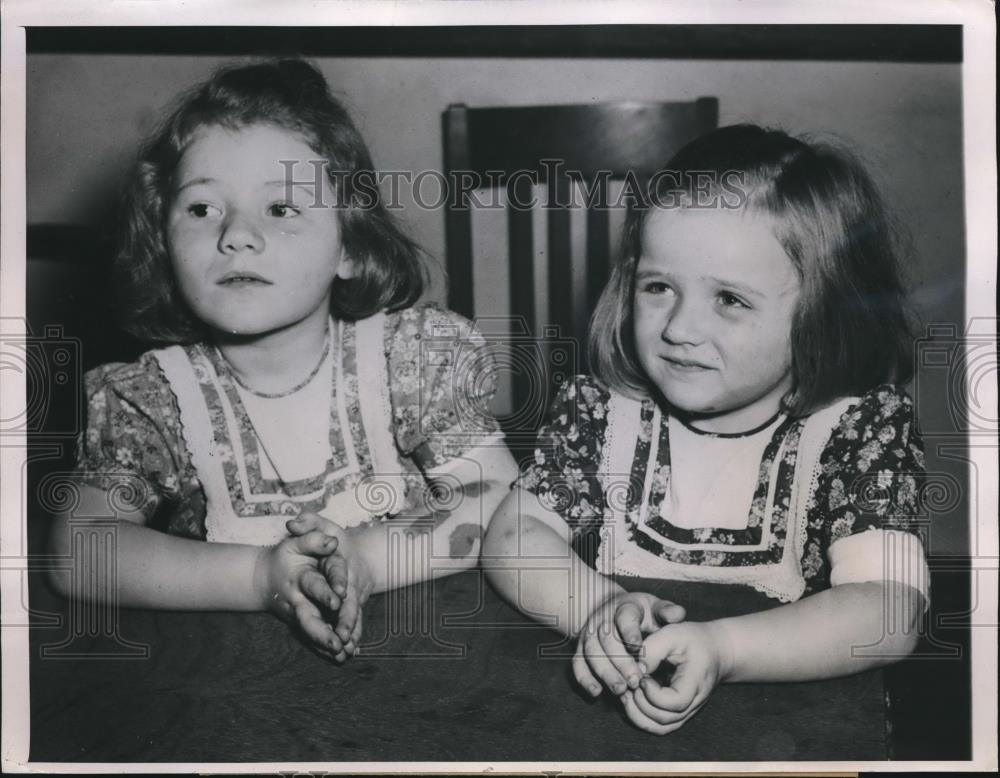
point(459, 676)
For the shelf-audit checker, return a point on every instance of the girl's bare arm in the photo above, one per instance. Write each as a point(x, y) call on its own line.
point(531, 562)
point(843, 630)
point(401, 552)
point(156, 570)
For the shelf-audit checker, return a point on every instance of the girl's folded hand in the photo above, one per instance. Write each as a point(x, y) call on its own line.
point(612, 636)
point(347, 574)
point(353, 571)
point(290, 585)
point(698, 651)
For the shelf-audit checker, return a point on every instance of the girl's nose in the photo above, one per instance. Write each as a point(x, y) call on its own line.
point(683, 324)
point(240, 234)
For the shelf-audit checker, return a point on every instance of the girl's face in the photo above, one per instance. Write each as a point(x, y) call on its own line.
point(251, 254)
point(714, 298)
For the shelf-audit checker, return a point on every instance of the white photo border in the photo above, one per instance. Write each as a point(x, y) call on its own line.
point(979, 91)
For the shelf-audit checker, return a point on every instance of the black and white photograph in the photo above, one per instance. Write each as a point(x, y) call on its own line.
point(463, 387)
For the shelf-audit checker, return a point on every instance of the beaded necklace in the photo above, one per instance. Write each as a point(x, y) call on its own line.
point(275, 395)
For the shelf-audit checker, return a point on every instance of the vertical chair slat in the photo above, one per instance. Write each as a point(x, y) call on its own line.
point(598, 260)
point(520, 244)
point(458, 217)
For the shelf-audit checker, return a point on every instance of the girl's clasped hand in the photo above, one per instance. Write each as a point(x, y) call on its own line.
point(349, 582)
point(303, 581)
point(700, 656)
point(607, 651)
point(629, 638)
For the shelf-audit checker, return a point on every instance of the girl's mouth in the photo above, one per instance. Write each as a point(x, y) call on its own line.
point(685, 364)
point(243, 278)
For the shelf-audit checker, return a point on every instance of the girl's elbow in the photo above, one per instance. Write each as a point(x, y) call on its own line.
point(499, 521)
point(913, 605)
point(501, 533)
point(914, 608)
point(902, 611)
point(900, 646)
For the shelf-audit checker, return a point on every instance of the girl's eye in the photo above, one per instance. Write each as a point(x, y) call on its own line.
point(730, 300)
point(202, 210)
point(656, 287)
point(283, 211)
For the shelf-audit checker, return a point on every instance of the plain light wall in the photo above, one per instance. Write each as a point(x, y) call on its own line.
point(86, 113)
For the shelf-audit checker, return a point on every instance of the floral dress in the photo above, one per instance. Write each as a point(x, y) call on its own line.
point(832, 498)
point(171, 437)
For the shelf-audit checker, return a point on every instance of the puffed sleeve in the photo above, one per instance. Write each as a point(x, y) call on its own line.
point(131, 443)
point(442, 380)
point(865, 523)
point(564, 472)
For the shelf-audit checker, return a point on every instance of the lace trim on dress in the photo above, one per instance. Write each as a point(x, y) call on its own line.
point(789, 583)
point(782, 580)
point(221, 524)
